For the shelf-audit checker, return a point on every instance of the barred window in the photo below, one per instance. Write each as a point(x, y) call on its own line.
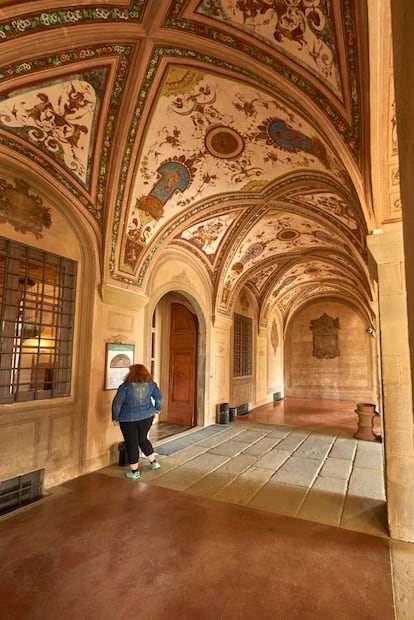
point(242, 350)
point(37, 298)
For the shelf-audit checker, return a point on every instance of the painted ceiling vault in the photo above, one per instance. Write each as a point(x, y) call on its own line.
point(235, 130)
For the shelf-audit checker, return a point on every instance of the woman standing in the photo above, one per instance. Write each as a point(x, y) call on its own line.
point(136, 402)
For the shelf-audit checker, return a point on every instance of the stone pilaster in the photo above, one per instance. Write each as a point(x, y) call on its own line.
point(387, 252)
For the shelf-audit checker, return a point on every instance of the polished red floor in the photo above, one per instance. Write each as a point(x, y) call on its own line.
point(115, 548)
point(333, 415)
point(106, 547)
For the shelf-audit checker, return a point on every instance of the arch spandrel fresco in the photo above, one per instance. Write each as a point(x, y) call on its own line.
point(301, 30)
point(293, 299)
point(272, 284)
point(338, 209)
point(299, 290)
point(295, 277)
point(207, 235)
point(59, 118)
point(331, 203)
point(261, 278)
point(330, 209)
point(65, 123)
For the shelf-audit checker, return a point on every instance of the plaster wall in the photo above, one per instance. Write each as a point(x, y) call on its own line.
point(391, 251)
point(49, 434)
point(114, 322)
point(261, 365)
point(127, 316)
point(275, 352)
point(269, 360)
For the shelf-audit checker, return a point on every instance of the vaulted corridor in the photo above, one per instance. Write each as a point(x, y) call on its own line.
point(222, 191)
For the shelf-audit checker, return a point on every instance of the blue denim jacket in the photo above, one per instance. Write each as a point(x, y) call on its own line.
point(136, 401)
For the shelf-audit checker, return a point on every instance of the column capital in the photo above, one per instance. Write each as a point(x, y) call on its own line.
point(386, 246)
point(127, 299)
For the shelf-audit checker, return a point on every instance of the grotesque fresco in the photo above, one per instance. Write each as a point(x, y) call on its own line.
point(207, 235)
point(281, 234)
point(54, 121)
point(223, 139)
point(239, 141)
point(334, 205)
point(59, 120)
point(302, 28)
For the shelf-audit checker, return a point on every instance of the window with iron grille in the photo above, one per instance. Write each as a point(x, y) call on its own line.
point(37, 299)
point(242, 348)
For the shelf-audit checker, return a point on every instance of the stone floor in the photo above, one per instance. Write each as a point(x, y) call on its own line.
point(264, 517)
point(317, 475)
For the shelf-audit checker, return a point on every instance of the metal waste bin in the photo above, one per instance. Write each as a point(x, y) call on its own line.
point(223, 413)
point(123, 457)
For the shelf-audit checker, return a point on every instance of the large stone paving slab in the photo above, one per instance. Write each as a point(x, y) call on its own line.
point(228, 448)
point(261, 447)
point(324, 502)
point(245, 486)
point(298, 471)
point(316, 446)
point(185, 476)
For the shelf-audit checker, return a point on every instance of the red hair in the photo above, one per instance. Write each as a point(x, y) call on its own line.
point(138, 374)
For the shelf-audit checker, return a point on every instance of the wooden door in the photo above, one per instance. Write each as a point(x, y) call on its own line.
point(183, 366)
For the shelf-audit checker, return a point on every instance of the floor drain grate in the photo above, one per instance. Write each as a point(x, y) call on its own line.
point(20, 491)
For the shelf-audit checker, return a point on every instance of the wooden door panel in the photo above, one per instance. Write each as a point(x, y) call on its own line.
point(181, 367)
point(183, 349)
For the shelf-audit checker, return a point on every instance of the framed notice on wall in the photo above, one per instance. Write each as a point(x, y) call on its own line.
point(119, 357)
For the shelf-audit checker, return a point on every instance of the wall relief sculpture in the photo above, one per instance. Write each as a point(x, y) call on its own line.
point(23, 210)
point(274, 337)
point(325, 331)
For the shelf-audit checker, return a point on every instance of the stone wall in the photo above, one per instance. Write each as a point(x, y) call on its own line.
point(347, 376)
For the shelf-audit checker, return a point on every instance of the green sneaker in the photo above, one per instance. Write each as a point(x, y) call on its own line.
point(133, 474)
point(155, 465)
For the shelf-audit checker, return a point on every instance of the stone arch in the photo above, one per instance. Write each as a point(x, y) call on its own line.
point(176, 277)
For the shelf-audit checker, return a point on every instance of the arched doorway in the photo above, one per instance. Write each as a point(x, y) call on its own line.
point(178, 360)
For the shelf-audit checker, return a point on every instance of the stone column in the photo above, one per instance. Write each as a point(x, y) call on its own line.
point(388, 268)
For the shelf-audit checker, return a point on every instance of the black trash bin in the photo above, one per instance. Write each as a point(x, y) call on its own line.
point(232, 413)
point(224, 413)
point(123, 457)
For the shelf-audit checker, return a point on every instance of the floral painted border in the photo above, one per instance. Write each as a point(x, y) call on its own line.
point(67, 17)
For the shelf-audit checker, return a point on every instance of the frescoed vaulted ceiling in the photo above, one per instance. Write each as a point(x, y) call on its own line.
point(235, 130)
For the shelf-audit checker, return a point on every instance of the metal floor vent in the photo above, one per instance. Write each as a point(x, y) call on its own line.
point(17, 492)
point(243, 409)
